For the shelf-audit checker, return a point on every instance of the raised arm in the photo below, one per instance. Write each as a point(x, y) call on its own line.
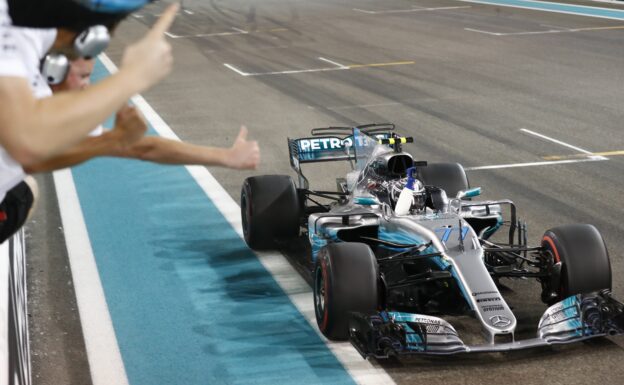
point(126, 140)
point(129, 128)
point(32, 130)
point(243, 155)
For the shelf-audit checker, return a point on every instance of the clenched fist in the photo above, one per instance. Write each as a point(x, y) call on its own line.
point(130, 126)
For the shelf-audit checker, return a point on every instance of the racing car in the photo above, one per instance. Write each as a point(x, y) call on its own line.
point(385, 278)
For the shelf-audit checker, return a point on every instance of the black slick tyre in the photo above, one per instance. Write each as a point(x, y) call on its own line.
point(450, 177)
point(345, 280)
point(585, 265)
point(270, 210)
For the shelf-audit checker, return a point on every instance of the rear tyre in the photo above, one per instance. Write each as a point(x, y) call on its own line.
point(450, 177)
point(270, 210)
point(585, 265)
point(345, 281)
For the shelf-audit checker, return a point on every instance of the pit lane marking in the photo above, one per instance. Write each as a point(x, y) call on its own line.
point(337, 67)
point(564, 30)
point(589, 154)
point(408, 10)
point(585, 156)
point(105, 362)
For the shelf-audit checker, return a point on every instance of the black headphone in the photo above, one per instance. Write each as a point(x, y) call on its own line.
point(87, 44)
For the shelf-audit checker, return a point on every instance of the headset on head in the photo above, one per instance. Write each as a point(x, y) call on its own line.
point(88, 44)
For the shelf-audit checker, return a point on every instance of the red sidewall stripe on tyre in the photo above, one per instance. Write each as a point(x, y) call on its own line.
point(551, 242)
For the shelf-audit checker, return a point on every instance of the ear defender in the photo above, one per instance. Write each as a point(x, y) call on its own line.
point(92, 41)
point(54, 68)
point(88, 44)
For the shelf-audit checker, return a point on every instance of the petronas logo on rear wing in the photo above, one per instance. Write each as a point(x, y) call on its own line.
point(326, 148)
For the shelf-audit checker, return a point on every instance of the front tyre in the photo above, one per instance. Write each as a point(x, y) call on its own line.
point(345, 281)
point(585, 265)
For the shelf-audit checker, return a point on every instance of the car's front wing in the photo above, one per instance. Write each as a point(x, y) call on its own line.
point(576, 318)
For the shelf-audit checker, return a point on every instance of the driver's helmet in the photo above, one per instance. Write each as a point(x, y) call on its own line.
point(420, 194)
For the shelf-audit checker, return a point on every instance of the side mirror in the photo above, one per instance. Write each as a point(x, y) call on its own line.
point(470, 193)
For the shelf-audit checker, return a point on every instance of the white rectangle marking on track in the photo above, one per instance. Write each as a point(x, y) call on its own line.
point(561, 143)
point(299, 292)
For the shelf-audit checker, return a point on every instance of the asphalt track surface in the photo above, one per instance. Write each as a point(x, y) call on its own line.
point(472, 83)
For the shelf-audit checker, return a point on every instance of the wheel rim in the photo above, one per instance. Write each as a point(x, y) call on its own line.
point(551, 248)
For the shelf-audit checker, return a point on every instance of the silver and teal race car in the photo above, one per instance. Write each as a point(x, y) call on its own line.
point(386, 279)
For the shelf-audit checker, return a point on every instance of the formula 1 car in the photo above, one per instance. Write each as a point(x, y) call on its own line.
point(384, 280)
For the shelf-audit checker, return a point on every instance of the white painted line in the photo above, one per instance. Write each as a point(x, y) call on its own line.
point(289, 72)
point(299, 292)
point(171, 35)
point(240, 30)
point(236, 69)
point(556, 141)
point(188, 11)
point(408, 10)
point(364, 11)
point(520, 33)
point(334, 63)
point(556, 27)
point(339, 67)
point(564, 30)
point(237, 31)
point(538, 32)
point(486, 32)
point(389, 104)
point(533, 164)
point(105, 362)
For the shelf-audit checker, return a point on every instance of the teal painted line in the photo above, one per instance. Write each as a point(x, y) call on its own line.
point(571, 9)
point(190, 304)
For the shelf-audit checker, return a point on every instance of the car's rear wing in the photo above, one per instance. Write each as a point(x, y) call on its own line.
point(328, 144)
